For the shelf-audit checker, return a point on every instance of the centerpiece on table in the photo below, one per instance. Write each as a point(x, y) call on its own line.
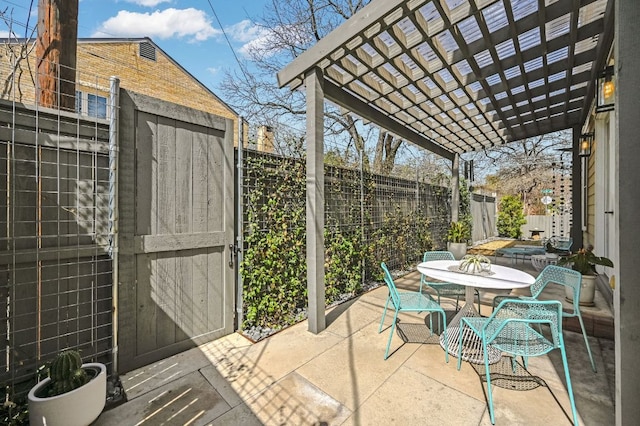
point(475, 264)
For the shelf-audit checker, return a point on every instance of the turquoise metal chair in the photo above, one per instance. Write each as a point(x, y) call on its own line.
point(560, 245)
point(442, 288)
point(409, 301)
point(566, 277)
point(513, 329)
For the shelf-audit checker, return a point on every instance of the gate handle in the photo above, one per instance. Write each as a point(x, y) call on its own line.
point(231, 250)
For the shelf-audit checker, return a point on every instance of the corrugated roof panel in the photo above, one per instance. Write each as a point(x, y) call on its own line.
point(475, 87)
point(445, 75)
point(483, 59)
point(470, 30)
point(494, 79)
point(591, 12)
point(512, 72)
point(463, 68)
point(585, 45)
point(557, 55)
point(501, 95)
point(529, 39)
point(582, 68)
point(533, 64)
point(495, 16)
point(431, 17)
point(517, 90)
point(523, 8)
point(505, 49)
point(558, 27)
point(446, 40)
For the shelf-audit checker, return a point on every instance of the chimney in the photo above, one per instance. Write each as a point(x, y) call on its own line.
point(265, 139)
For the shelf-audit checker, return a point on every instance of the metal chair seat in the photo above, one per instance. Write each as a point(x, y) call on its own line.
point(513, 328)
point(409, 301)
point(563, 276)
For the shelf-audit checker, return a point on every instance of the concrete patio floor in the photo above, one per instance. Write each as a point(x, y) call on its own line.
point(339, 377)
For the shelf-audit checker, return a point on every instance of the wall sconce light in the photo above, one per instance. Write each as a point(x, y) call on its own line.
point(586, 141)
point(606, 90)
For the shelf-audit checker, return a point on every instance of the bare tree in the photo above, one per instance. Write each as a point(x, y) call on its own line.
point(290, 27)
point(16, 53)
point(525, 167)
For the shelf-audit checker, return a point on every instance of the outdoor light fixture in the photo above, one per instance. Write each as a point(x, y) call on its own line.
point(606, 90)
point(586, 140)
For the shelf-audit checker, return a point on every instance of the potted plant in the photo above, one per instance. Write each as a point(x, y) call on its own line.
point(585, 261)
point(73, 393)
point(457, 237)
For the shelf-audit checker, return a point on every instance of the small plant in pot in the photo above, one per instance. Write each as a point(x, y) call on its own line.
point(457, 237)
point(74, 394)
point(585, 261)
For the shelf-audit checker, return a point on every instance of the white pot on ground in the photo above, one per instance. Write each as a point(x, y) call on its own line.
point(587, 291)
point(457, 249)
point(80, 407)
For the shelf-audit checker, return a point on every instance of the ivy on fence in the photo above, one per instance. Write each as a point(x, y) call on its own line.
point(367, 221)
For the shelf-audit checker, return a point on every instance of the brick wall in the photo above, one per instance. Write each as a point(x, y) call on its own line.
point(98, 61)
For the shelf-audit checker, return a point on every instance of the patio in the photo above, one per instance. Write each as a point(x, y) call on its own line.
point(339, 377)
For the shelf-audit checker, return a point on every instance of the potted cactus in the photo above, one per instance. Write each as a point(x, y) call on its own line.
point(73, 393)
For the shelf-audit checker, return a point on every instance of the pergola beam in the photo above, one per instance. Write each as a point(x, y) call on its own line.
point(357, 24)
point(365, 111)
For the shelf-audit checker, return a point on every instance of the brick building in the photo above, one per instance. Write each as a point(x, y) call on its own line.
point(139, 63)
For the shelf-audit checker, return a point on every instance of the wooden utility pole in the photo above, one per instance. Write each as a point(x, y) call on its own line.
point(56, 53)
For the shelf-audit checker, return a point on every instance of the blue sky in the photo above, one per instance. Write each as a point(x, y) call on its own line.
point(187, 30)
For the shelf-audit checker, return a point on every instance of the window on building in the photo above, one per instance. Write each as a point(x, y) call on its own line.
point(96, 106)
point(91, 105)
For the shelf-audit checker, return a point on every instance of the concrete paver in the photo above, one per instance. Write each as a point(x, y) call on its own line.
point(339, 377)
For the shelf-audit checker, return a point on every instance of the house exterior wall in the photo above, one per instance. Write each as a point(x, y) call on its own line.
point(98, 61)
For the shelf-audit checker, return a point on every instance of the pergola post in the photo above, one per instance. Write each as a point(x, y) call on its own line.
point(627, 204)
point(455, 188)
point(315, 200)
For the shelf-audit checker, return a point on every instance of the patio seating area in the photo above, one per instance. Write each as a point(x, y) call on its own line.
point(340, 377)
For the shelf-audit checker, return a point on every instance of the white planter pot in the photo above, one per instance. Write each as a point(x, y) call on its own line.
point(79, 407)
point(457, 249)
point(587, 291)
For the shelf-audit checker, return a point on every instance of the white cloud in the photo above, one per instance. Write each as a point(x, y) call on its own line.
point(213, 70)
point(264, 42)
point(5, 34)
point(148, 3)
point(190, 23)
point(256, 40)
point(245, 31)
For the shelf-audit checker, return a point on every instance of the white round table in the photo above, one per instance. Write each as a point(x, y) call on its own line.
point(501, 277)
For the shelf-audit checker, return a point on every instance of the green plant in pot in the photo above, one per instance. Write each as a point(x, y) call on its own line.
point(585, 261)
point(73, 393)
point(457, 237)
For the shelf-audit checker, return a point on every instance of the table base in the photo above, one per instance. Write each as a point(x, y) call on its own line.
point(471, 344)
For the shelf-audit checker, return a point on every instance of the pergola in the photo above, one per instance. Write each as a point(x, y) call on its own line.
point(456, 76)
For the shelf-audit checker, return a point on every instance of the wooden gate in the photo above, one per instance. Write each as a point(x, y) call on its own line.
point(175, 279)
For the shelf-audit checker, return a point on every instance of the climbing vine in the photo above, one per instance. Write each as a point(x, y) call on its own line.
point(274, 265)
